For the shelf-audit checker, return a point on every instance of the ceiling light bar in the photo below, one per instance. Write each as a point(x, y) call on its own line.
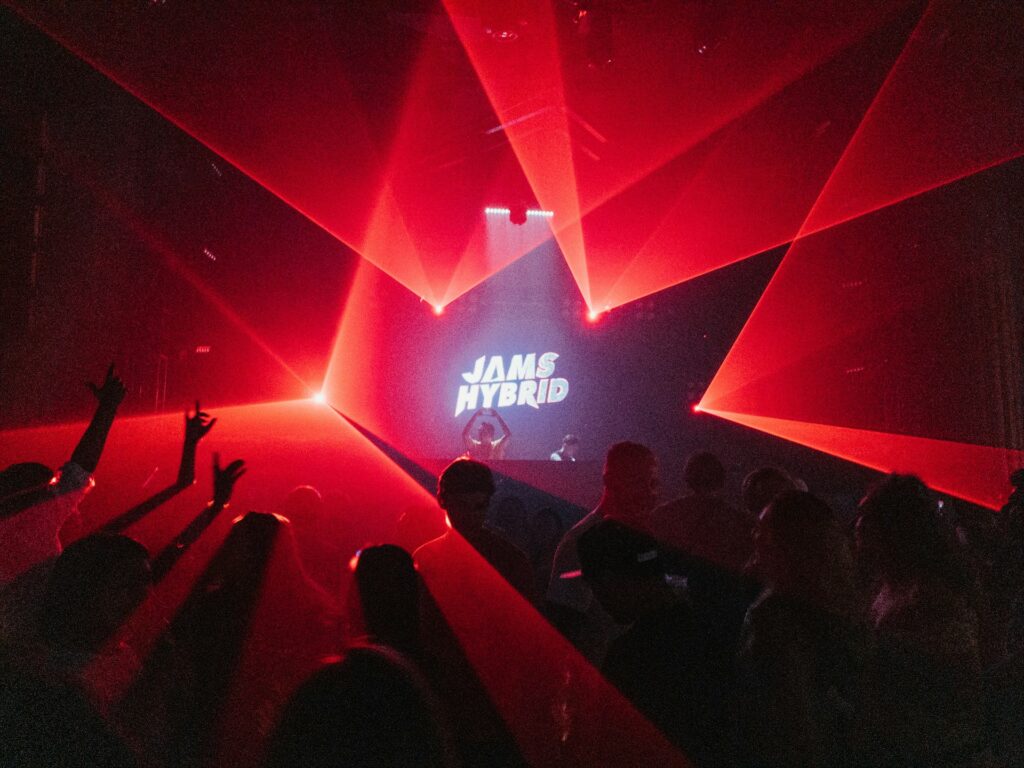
point(532, 213)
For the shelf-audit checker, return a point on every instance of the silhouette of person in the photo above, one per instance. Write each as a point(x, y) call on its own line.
point(630, 492)
point(371, 708)
point(464, 492)
point(35, 502)
point(659, 662)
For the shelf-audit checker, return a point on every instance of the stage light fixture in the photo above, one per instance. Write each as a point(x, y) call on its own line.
point(439, 309)
point(320, 398)
point(518, 214)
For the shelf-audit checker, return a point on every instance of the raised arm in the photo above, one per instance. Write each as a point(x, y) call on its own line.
point(506, 433)
point(196, 428)
point(109, 396)
point(223, 486)
point(467, 433)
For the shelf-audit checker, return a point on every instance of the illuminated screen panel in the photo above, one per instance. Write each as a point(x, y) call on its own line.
point(522, 343)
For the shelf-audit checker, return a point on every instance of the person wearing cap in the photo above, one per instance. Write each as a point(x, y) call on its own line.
point(570, 446)
point(630, 492)
point(659, 662)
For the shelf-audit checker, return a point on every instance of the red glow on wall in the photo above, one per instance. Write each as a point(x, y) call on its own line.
point(814, 126)
point(950, 107)
point(977, 473)
point(893, 332)
point(530, 671)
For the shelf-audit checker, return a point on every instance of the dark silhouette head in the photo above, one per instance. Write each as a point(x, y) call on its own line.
point(761, 486)
point(704, 473)
point(95, 585)
point(899, 533)
point(464, 491)
point(631, 480)
point(45, 723)
point(622, 566)
point(388, 588)
point(800, 549)
point(369, 709)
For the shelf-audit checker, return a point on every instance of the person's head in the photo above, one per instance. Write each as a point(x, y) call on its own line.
point(570, 446)
point(303, 501)
point(800, 549)
point(486, 433)
point(898, 532)
point(622, 566)
point(95, 585)
point(704, 473)
point(388, 587)
point(761, 486)
point(631, 480)
point(464, 492)
point(369, 709)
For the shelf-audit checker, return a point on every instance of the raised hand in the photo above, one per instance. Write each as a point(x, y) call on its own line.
point(197, 426)
point(224, 479)
point(111, 392)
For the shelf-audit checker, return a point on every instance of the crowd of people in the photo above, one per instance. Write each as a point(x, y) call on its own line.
point(757, 631)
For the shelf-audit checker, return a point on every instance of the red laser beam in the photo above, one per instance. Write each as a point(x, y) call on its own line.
point(524, 85)
point(275, 116)
point(78, 169)
point(633, 116)
point(977, 473)
point(896, 326)
point(744, 190)
point(951, 106)
point(559, 708)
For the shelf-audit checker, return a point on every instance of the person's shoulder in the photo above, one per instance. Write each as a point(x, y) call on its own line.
point(589, 521)
point(499, 544)
point(429, 550)
point(669, 508)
